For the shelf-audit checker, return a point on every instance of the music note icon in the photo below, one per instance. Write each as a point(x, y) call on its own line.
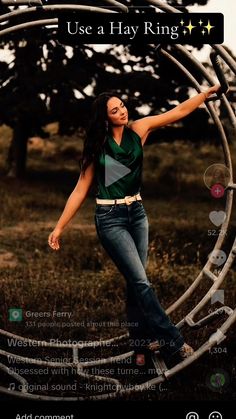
point(12, 386)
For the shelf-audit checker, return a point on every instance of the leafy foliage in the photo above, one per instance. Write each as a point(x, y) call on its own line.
point(46, 81)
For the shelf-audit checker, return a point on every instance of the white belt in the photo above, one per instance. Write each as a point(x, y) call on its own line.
point(126, 200)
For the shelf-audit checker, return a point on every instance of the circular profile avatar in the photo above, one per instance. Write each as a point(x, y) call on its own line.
point(217, 174)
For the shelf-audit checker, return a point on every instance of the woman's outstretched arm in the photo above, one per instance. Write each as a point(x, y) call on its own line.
point(74, 202)
point(145, 125)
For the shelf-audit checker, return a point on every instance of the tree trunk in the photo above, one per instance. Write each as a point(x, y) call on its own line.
point(17, 154)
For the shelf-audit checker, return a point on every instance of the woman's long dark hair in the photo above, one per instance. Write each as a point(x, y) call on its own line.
point(97, 131)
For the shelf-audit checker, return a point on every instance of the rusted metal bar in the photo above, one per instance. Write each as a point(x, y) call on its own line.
point(28, 25)
point(163, 6)
point(229, 200)
point(53, 8)
point(20, 2)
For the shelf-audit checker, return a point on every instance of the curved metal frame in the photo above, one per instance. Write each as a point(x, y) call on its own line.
point(6, 27)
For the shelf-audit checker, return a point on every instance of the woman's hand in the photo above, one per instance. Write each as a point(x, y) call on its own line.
point(211, 90)
point(147, 124)
point(53, 239)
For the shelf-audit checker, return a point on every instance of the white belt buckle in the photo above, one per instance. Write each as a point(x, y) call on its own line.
point(127, 200)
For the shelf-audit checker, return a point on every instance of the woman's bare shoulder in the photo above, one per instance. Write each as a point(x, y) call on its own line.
point(133, 126)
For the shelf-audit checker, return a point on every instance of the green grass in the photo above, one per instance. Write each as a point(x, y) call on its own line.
point(81, 278)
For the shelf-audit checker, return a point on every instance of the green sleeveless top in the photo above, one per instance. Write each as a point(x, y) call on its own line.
point(118, 169)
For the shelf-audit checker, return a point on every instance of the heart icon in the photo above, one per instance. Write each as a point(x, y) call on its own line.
point(217, 217)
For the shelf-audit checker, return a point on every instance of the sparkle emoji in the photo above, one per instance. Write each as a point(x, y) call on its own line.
point(190, 27)
point(209, 27)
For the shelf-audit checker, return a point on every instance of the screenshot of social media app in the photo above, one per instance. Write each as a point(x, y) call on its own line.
point(117, 223)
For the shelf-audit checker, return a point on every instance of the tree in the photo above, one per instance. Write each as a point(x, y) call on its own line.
point(47, 81)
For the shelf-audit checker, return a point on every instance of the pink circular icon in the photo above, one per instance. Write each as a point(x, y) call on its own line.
point(217, 190)
point(140, 359)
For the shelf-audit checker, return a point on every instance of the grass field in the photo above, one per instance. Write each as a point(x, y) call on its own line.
point(82, 280)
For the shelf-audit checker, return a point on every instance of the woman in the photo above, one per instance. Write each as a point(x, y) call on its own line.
point(112, 154)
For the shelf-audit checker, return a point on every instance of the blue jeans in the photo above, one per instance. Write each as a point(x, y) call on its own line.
point(123, 232)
